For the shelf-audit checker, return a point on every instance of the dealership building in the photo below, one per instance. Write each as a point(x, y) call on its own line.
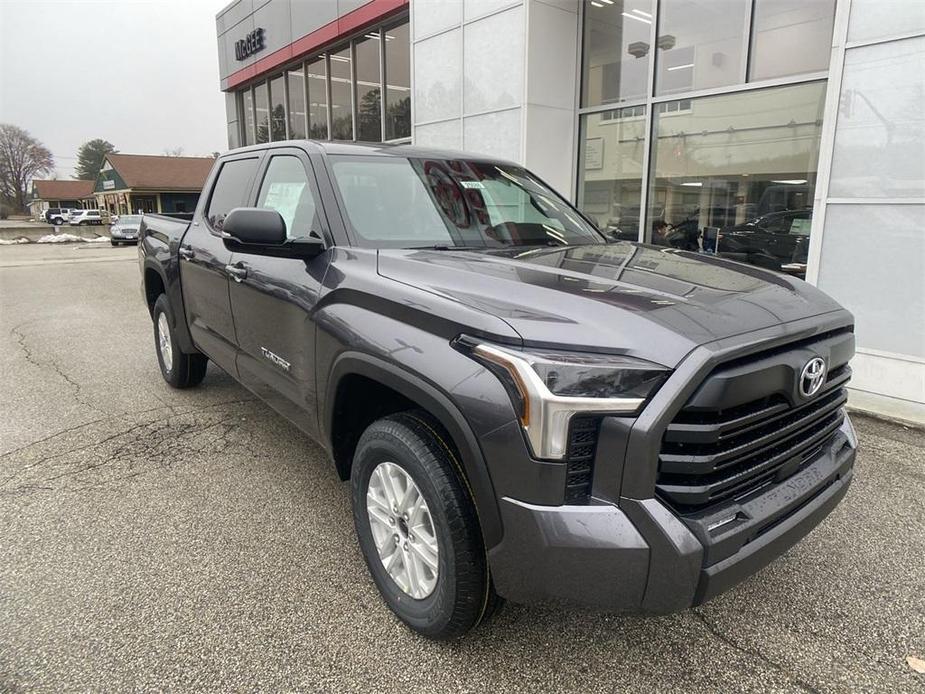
point(789, 134)
point(139, 183)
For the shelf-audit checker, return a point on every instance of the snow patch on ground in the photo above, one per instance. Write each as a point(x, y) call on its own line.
point(69, 238)
point(21, 239)
point(58, 238)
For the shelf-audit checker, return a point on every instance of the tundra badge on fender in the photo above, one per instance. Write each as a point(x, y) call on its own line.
point(276, 359)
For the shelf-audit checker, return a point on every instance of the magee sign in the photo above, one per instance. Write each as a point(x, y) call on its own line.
point(250, 44)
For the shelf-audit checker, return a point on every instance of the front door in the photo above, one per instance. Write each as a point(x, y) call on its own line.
point(144, 204)
point(204, 260)
point(273, 299)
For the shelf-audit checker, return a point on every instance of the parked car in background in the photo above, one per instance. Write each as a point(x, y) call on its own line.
point(85, 217)
point(57, 215)
point(125, 229)
point(776, 241)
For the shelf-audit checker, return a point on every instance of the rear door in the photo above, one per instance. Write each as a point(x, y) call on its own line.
point(204, 260)
point(273, 299)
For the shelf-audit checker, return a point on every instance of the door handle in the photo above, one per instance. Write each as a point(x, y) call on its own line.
point(237, 272)
point(186, 253)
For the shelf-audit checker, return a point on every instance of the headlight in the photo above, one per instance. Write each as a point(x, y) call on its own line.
point(548, 387)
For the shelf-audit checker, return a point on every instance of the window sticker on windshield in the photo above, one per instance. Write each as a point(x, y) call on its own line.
point(473, 184)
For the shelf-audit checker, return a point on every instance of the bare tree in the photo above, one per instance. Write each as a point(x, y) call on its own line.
point(22, 157)
point(174, 151)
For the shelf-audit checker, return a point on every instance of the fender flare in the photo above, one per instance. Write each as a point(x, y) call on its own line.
point(437, 403)
point(171, 289)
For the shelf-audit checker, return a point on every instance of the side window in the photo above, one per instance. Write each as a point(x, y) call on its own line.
point(230, 189)
point(286, 189)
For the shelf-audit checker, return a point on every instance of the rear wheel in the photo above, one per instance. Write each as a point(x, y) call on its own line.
point(418, 529)
point(179, 369)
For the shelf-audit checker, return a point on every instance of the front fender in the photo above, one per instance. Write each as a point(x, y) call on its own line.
point(475, 471)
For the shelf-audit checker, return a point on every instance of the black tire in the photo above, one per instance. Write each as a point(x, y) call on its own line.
point(463, 595)
point(114, 243)
point(185, 370)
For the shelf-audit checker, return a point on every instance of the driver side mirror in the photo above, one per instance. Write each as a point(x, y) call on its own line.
point(255, 225)
point(262, 231)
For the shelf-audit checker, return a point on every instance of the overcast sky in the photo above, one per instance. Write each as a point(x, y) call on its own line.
point(142, 74)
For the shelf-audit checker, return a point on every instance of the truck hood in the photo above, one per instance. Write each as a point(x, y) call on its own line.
point(624, 298)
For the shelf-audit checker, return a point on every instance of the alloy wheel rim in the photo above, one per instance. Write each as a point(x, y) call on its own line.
point(163, 341)
point(403, 530)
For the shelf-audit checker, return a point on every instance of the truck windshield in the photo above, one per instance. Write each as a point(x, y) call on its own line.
point(397, 202)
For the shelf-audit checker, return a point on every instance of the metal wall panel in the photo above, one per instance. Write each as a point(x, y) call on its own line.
point(308, 16)
point(275, 19)
point(233, 14)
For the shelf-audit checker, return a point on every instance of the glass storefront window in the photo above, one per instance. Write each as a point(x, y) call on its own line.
point(278, 109)
point(247, 116)
point(701, 44)
point(735, 174)
point(610, 165)
point(398, 82)
point(779, 25)
point(317, 99)
point(369, 88)
point(341, 96)
point(325, 96)
point(296, 104)
point(615, 64)
point(262, 103)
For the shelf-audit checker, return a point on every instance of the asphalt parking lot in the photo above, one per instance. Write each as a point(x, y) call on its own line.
point(156, 539)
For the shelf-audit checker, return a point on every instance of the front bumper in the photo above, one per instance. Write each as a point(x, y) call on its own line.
point(641, 556)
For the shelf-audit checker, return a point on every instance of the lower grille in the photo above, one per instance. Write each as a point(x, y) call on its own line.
point(710, 455)
point(582, 445)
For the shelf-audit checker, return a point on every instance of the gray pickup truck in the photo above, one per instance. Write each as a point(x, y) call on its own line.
point(525, 410)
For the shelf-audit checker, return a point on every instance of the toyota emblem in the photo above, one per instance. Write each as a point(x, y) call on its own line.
point(812, 377)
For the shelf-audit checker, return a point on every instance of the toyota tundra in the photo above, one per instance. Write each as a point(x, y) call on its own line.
point(524, 408)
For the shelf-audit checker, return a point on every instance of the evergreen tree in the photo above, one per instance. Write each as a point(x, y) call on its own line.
point(90, 158)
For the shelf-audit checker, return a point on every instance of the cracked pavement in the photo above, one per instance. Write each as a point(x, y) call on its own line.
point(153, 539)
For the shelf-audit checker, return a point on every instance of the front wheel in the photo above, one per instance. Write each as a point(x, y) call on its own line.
point(418, 529)
point(179, 369)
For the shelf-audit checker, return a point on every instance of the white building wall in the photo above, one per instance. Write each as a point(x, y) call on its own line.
point(498, 77)
point(868, 246)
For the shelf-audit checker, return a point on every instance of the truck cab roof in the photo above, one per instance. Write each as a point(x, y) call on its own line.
point(382, 149)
